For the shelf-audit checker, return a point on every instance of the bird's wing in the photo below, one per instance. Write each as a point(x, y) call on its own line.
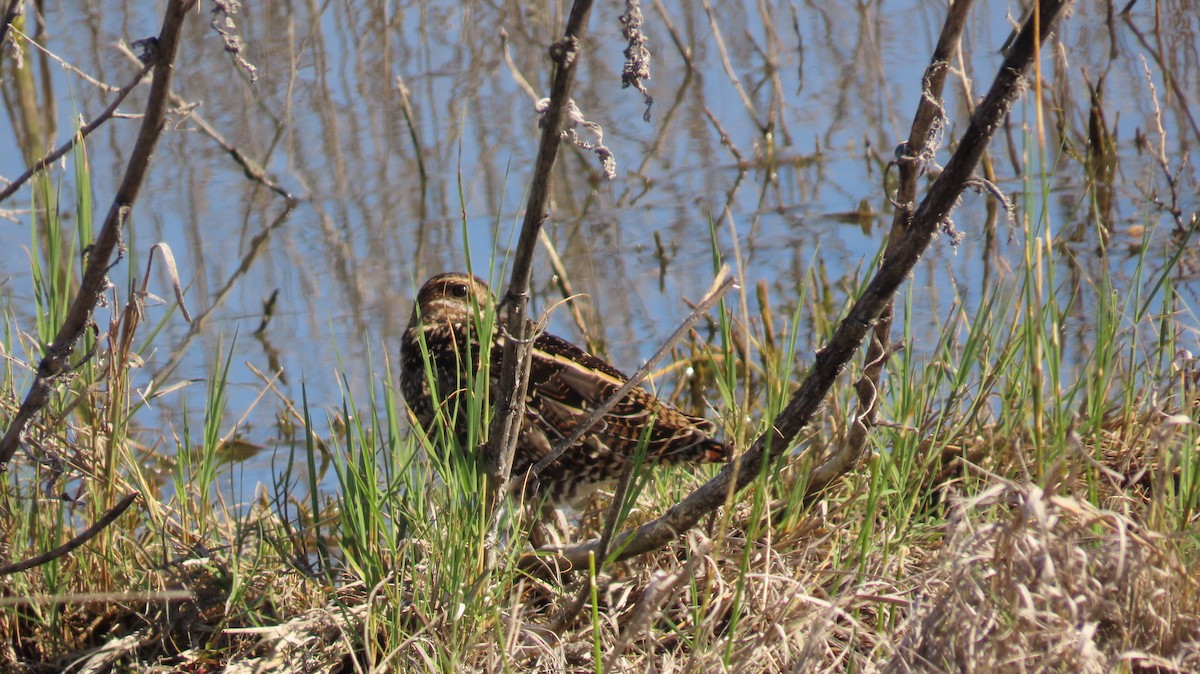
point(571, 383)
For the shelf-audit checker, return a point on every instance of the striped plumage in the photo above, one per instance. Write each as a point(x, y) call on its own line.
point(565, 384)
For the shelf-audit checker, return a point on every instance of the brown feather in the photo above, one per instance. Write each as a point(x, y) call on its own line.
point(566, 384)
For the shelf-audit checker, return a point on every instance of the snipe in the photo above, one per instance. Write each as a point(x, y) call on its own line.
point(566, 384)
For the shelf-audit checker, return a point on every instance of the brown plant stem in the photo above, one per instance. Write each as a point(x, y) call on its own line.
point(911, 163)
point(913, 239)
point(514, 370)
point(55, 360)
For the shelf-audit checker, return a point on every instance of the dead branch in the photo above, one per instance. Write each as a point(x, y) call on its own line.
point(55, 361)
point(514, 371)
point(911, 243)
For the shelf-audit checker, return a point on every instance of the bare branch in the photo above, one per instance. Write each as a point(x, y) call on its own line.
point(514, 371)
point(853, 329)
point(89, 533)
point(161, 53)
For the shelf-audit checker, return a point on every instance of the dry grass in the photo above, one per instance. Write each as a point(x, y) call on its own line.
point(1085, 568)
point(1029, 581)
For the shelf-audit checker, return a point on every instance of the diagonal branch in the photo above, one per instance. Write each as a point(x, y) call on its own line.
point(514, 371)
point(55, 360)
point(84, 132)
point(912, 241)
point(83, 537)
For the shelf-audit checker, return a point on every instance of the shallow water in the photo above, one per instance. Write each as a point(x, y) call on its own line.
point(818, 99)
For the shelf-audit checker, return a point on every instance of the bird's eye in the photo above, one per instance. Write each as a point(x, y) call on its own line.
point(459, 290)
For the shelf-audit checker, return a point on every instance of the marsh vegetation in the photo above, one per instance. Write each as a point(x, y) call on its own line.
point(208, 465)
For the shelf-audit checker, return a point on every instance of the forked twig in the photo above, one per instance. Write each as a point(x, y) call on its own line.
point(514, 370)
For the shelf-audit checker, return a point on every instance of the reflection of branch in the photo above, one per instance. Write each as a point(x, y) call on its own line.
point(1159, 153)
point(685, 52)
point(410, 119)
point(729, 72)
point(830, 361)
point(568, 293)
point(514, 371)
point(84, 132)
point(1168, 79)
point(256, 244)
point(95, 276)
point(250, 168)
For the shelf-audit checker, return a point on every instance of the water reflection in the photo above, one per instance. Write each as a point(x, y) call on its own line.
point(407, 132)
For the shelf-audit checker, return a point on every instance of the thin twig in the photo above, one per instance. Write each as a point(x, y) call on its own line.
point(610, 528)
point(55, 360)
point(517, 75)
point(685, 52)
point(657, 591)
point(102, 86)
point(721, 285)
point(1159, 153)
point(87, 534)
point(852, 330)
point(568, 292)
point(84, 132)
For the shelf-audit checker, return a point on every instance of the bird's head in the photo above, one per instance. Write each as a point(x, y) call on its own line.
point(451, 298)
